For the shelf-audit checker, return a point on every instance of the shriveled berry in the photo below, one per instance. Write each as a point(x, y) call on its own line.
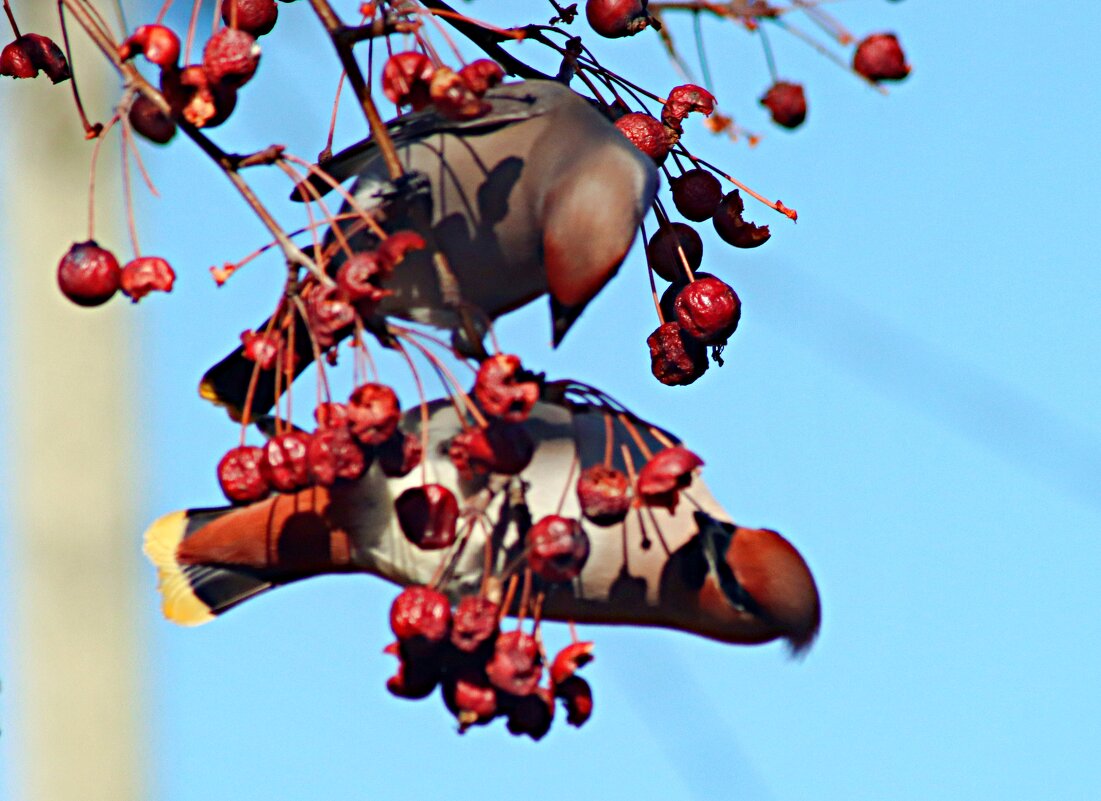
point(150, 121)
point(453, 97)
point(482, 75)
point(286, 464)
point(373, 413)
point(665, 474)
point(330, 316)
point(159, 44)
point(516, 665)
point(664, 256)
point(231, 57)
point(557, 548)
point(146, 274)
point(420, 613)
point(709, 310)
point(262, 347)
point(398, 455)
point(406, 78)
point(195, 98)
point(617, 18)
point(474, 622)
point(879, 57)
point(532, 715)
point(335, 454)
point(330, 415)
point(682, 101)
point(604, 494)
point(32, 52)
point(241, 474)
point(646, 133)
point(696, 194)
point(502, 390)
point(676, 359)
point(394, 248)
point(501, 448)
point(787, 103)
point(734, 230)
point(88, 275)
point(361, 277)
point(415, 678)
point(428, 516)
point(577, 697)
point(569, 660)
point(471, 698)
point(255, 17)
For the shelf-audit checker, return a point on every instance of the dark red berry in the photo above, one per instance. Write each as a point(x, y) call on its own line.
point(262, 348)
point(682, 101)
point(516, 665)
point(787, 104)
point(415, 679)
point(453, 97)
point(696, 194)
point(398, 455)
point(471, 698)
point(880, 58)
point(329, 415)
point(502, 390)
point(420, 613)
point(16, 60)
point(150, 121)
point(646, 133)
point(373, 413)
point(428, 516)
point(501, 448)
point(532, 715)
point(577, 697)
point(335, 454)
point(330, 315)
point(482, 75)
point(569, 659)
point(709, 310)
point(557, 548)
point(665, 474)
point(665, 257)
point(604, 494)
point(88, 275)
point(474, 622)
point(241, 474)
point(361, 277)
point(146, 274)
point(195, 98)
point(32, 52)
point(406, 79)
point(231, 57)
point(734, 230)
point(676, 359)
point(286, 463)
point(616, 18)
point(255, 17)
point(159, 45)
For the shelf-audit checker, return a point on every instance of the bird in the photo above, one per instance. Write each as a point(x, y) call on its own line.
point(541, 195)
point(690, 569)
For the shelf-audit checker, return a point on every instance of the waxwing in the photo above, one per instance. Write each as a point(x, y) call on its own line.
point(687, 569)
point(542, 195)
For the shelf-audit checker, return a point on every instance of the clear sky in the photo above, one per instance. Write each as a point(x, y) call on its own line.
point(911, 398)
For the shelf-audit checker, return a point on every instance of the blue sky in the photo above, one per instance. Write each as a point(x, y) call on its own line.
point(911, 398)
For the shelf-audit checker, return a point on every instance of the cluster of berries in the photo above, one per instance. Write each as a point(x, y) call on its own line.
point(411, 79)
point(89, 275)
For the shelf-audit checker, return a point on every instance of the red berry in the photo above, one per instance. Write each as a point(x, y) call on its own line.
point(262, 348)
point(501, 448)
point(334, 453)
point(880, 58)
point(501, 390)
point(474, 623)
point(373, 413)
point(787, 103)
point(255, 17)
point(393, 249)
point(150, 121)
point(516, 665)
point(732, 229)
point(616, 18)
point(454, 98)
point(16, 61)
point(32, 52)
point(557, 548)
point(146, 274)
point(195, 98)
point(664, 256)
point(708, 310)
point(646, 133)
point(676, 359)
point(533, 714)
point(361, 277)
point(330, 315)
point(286, 463)
point(482, 75)
point(669, 471)
point(415, 679)
point(604, 494)
point(428, 516)
point(577, 697)
point(696, 194)
point(398, 455)
point(231, 57)
point(406, 79)
point(682, 101)
point(329, 415)
point(159, 45)
point(241, 474)
point(420, 613)
point(88, 275)
point(471, 698)
point(569, 659)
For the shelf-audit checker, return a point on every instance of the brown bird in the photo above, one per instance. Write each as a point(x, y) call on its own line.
point(542, 195)
point(688, 569)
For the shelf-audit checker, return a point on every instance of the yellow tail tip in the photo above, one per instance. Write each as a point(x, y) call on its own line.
point(178, 600)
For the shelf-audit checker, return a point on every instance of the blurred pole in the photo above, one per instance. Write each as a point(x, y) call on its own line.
point(74, 693)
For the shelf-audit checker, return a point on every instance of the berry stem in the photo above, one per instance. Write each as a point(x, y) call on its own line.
point(11, 19)
point(90, 131)
point(775, 205)
point(128, 192)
